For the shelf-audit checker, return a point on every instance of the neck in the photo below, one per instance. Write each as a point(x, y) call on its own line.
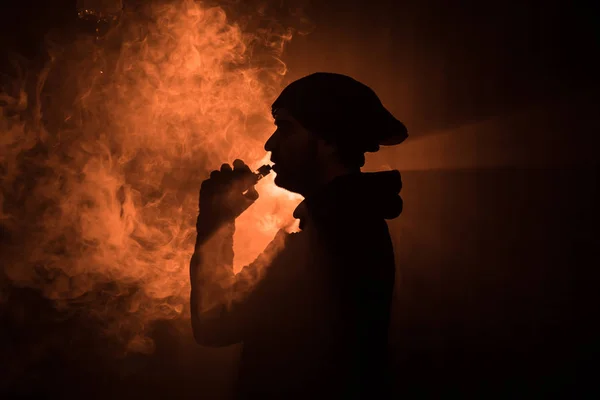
point(329, 175)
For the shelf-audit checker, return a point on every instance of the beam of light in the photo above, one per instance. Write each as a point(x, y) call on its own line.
point(544, 136)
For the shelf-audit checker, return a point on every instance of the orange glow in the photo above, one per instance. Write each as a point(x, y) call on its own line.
point(115, 199)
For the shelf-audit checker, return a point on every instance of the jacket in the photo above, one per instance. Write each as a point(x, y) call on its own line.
point(313, 310)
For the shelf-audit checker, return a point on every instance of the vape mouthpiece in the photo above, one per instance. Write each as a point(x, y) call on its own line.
point(262, 172)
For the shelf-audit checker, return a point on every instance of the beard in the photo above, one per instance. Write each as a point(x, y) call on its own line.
point(291, 182)
point(299, 169)
point(299, 180)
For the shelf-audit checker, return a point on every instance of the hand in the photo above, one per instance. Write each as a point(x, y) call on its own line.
point(222, 197)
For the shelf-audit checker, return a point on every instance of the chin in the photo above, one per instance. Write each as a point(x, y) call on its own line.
point(282, 183)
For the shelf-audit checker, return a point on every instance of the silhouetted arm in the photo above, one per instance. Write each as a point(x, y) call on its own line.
point(223, 304)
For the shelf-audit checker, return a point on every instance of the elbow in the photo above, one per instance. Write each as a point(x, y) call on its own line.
point(207, 340)
point(212, 328)
point(208, 336)
point(203, 329)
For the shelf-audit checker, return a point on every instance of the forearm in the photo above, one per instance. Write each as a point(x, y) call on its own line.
point(223, 304)
point(218, 315)
point(211, 278)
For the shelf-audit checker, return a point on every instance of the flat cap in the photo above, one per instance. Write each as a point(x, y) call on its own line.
point(342, 110)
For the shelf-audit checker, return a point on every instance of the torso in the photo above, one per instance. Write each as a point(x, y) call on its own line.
point(292, 350)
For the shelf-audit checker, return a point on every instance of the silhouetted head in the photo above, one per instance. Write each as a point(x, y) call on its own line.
point(325, 124)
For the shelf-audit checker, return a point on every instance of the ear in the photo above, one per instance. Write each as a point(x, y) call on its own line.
point(326, 149)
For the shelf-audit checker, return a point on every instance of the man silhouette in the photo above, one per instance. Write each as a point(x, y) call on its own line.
point(314, 321)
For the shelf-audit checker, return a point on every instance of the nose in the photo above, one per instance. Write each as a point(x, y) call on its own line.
point(270, 143)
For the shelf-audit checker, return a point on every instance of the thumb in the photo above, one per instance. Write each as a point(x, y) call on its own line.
point(251, 194)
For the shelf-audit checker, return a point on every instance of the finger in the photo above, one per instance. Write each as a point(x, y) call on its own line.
point(243, 176)
point(215, 174)
point(242, 172)
point(226, 168)
point(240, 202)
point(205, 183)
point(251, 194)
point(239, 165)
point(243, 179)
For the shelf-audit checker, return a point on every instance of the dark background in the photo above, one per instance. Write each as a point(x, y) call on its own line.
point(496, 265)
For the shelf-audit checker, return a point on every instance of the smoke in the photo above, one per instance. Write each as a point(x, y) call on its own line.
point(101, 163)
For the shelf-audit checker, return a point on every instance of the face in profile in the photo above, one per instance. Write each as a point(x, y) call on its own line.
point(295, 152)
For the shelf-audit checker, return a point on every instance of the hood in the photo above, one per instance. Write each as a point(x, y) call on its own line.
point(372, 194)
